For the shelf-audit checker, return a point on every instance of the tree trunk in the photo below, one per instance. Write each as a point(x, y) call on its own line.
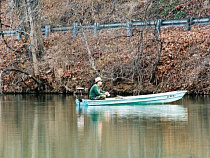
point(36, 41)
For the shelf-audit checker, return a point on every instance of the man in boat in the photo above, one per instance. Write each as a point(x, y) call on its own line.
point(96, 93)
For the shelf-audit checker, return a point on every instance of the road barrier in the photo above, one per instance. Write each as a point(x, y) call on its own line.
point(75, 28)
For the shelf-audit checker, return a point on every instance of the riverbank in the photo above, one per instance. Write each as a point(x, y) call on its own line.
point(184, 63)
point(145, 62)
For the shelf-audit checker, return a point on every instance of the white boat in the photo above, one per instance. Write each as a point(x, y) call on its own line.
point(158, 98)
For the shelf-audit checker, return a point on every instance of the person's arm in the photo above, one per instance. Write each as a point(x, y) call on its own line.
point(101, 91)
point(104, 92)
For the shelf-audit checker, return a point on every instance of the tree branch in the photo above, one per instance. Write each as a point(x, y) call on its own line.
point(2, 34)
point(26, 73)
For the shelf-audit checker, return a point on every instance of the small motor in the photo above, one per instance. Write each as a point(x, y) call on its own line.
point(79, 89)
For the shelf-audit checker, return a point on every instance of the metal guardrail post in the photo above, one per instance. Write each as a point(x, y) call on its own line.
point(189, 23)
point(96, 29)
point(19, 34)
point(75, 30)
point(158, 25)
point(1, 83)
point(129, 29)
point(47, 31)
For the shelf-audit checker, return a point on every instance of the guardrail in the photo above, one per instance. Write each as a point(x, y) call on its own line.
point(75, 28)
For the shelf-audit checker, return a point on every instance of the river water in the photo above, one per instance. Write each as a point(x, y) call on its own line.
point(51, 126)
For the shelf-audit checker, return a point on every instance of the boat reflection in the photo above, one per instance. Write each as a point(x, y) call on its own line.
point(162, 112)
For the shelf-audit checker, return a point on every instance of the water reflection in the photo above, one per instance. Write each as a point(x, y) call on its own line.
point(35, 126)
point(133, 131)
point(151, 131)
point(162, 112)
point(47, 126)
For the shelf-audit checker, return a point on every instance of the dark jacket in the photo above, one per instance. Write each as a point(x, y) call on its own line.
point(96, 92)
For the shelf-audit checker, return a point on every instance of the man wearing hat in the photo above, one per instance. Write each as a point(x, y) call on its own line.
point(96, 93)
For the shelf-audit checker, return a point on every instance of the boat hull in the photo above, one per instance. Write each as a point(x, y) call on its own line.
point(167, 97)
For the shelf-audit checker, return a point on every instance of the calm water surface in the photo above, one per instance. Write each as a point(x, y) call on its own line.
point(51, 126)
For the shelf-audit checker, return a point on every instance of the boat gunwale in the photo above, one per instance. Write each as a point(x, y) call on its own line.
point(162, 100)
point(139, 96)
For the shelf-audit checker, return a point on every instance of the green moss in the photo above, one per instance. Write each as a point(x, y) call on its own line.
point(179, 14)
point(167, 9)
point(167, 6)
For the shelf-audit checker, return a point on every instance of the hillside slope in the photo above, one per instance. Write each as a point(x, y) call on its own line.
point(146, 62)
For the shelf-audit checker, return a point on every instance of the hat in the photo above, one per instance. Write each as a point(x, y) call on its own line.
point(98, 79)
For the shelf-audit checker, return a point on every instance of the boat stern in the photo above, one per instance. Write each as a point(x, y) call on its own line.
point(83, 102)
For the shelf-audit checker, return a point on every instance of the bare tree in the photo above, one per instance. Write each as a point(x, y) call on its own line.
point(27, 17)
point(36, 41)
point(24, 15)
